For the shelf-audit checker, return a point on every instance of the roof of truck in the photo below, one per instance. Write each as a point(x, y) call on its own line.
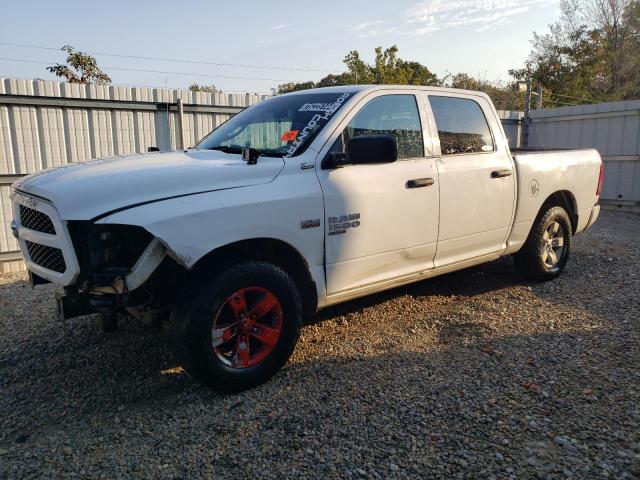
point(359, 88)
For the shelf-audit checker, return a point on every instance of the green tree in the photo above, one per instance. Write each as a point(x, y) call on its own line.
point(417, 74)
point(332, 80)
point(463, 81)
point(194, 87)
point(358, 72)
point(631, 66)
point(590, 54)
point(294, 87)
point(504, 97)
point(80, 68)
point(387, 69)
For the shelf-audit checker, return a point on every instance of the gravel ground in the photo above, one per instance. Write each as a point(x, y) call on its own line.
point(476, 374)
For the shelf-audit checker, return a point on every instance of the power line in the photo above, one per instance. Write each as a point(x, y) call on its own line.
point(545, 92)
point(177, 60)
point(186, 74)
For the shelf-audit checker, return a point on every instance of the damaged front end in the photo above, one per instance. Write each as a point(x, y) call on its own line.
point(122, 267)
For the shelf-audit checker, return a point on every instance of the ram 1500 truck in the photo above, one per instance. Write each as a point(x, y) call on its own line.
point(299, 202)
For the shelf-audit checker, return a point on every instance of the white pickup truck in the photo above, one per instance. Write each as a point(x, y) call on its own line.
point(302, 201)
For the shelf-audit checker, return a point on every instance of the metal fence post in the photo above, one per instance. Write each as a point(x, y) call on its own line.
point(539, 99)
point(525, 126)
point(180, 126)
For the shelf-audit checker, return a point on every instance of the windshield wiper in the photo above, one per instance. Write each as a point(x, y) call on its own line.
point(238, 149)
point(227, 149)
point(270, 153)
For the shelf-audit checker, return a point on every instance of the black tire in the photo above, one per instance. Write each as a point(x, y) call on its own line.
point(194, 315)
point(531, 260)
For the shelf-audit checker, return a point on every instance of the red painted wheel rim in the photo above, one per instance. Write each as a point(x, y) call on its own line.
point(247, 327)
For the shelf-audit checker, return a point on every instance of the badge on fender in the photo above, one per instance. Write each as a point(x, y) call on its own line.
point(342, 223)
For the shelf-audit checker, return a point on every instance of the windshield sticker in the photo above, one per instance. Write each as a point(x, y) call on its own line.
point(289, 136)
point(316, 107)
point(311, 125)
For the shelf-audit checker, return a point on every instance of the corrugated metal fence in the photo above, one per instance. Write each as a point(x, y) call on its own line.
point(45, 124)
point(512, 125)
point(612, 128)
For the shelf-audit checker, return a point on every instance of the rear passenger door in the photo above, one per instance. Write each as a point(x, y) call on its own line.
point(476, 172)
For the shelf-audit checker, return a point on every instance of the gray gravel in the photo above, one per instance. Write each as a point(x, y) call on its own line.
point(476, 374)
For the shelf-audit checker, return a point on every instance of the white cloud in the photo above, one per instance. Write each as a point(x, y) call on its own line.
point(432, 15)
point(366, 25)
point(369, 34)
point(281, 26)
point(492, 25)
point(372, 29)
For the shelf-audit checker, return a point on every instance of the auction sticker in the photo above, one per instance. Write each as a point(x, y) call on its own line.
point(289, 136)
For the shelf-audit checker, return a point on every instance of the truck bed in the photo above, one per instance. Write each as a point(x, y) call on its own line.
point(542, 173)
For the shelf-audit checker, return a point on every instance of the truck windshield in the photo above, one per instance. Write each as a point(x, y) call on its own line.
point(280, 127)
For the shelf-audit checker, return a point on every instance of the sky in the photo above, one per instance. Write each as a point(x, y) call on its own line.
point(253, 46)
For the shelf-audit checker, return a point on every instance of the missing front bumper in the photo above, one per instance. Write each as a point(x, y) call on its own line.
point(72, 305)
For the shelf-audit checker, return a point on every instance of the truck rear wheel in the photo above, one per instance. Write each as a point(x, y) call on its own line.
point(546, 251)
point(239, 327)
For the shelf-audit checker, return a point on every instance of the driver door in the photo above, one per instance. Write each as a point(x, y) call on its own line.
point(381, 220)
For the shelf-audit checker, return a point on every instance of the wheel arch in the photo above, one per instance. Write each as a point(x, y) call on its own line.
point(272, 250)
point(566, 200)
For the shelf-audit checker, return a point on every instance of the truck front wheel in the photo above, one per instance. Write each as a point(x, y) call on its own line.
point(239, 327)
point(546, 251)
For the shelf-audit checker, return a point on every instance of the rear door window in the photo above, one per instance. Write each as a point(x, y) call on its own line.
point(462, 126)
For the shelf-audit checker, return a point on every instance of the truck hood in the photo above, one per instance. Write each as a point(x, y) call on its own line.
point(83, 191)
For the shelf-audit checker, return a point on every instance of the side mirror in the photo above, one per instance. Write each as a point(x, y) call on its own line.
point(363, 150)
point(335, 160)
point(153, 149)
point(372, 149)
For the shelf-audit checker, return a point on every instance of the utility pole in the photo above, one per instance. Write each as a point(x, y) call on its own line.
point(539, 94)
point(525, 125)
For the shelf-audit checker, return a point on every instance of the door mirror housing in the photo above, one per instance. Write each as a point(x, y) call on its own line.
point(372, 149)
point(335, 160)
point(363, 150)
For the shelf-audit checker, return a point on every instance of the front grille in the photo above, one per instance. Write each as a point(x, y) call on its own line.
point(35, 220)
point(48, 257)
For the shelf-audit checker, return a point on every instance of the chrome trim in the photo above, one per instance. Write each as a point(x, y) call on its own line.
point(61, 240)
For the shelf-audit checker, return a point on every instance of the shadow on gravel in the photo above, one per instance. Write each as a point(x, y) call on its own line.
point(61, 371)
point(455, 407)
point(595, 278)
point(463, 283)
point(521, 398)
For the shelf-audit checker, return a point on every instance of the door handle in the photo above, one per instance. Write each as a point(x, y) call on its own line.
point(501, 173)
point(420, 182)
